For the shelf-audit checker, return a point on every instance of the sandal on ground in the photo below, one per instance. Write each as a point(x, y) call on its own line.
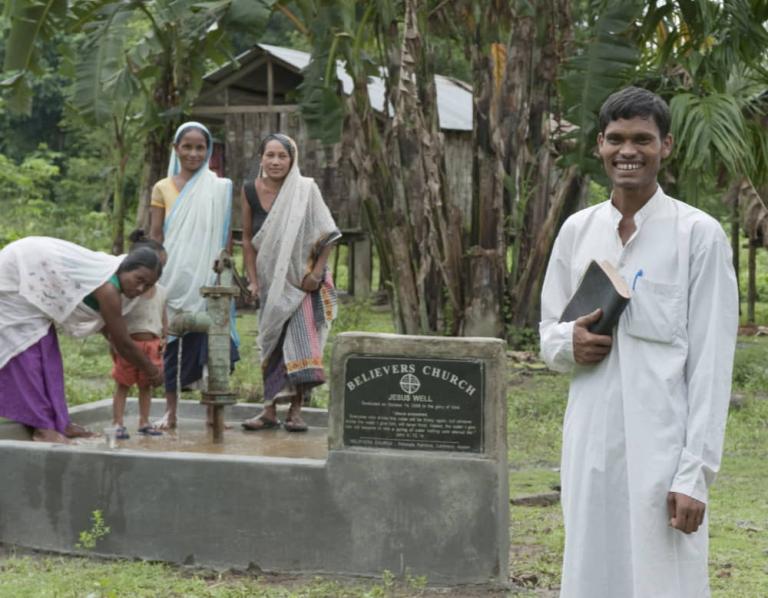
point(121, 433)
point(260, 423)
point(150, 430)
point(295, 424)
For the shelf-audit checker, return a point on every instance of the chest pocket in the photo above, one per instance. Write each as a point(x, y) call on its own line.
point(655, 311)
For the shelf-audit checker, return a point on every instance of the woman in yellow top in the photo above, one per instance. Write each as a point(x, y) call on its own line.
point(190, 214)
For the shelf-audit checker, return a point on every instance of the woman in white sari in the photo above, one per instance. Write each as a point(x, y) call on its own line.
point(286, 264)
point(46, 282)
point(190, 214)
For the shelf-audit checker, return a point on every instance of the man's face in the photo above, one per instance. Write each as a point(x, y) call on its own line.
point(632, 150)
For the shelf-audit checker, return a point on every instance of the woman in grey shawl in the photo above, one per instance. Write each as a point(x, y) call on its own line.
point(286, 263)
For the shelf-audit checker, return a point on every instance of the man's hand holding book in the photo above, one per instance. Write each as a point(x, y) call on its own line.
point(589, 348)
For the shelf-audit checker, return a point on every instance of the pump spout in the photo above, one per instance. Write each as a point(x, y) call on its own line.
point(185, 322)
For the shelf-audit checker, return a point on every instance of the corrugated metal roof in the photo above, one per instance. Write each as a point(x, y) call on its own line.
point(454, 98)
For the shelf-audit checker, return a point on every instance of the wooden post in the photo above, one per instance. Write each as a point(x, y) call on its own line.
point(752, 284)
point(336, 252)
point(271, 90)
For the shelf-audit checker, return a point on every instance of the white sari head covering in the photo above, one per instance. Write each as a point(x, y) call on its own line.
point(174, 166)
point(298, 226)
point(196, 230)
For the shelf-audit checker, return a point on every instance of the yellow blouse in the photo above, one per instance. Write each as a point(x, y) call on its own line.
point(164, 195)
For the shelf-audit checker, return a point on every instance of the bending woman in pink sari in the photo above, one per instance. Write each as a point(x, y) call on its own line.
point(46, 282)
point(286, 264)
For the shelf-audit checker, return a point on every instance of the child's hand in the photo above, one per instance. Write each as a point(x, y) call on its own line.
point(155, 376)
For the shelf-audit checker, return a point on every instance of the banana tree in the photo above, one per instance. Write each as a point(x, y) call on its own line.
point(31, 22)
point(516, 50)
point(711, 64)
point(397, 158)
point(172, 43)
point(707, 58)
point(104, 95)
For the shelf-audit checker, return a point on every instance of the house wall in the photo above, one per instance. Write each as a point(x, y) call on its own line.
point(458, 170)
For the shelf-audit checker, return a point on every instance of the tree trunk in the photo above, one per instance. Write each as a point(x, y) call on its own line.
point(118, 196)
point(732, 198)
point(541, 198)
point(433, 217)
point(158, 142)
point(526, 294)
point(516, 52)
point(156, 154)
point(118, 210)
point(486, 259)
point(752, 282)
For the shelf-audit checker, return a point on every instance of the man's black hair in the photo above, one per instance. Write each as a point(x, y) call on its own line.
point(634, 101)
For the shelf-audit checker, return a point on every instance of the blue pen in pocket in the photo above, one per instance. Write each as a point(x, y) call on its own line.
point(638, 274)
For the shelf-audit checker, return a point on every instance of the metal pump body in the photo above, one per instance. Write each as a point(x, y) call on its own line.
point(216, 322)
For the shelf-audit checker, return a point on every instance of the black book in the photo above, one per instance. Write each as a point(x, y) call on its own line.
point(601, 286)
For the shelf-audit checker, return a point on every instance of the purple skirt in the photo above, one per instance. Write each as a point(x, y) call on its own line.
point(32, 386)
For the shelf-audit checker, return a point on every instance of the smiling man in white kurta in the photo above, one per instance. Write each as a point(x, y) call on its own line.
point(647, 407)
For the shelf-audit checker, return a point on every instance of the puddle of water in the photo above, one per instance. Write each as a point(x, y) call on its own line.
point(191, 436)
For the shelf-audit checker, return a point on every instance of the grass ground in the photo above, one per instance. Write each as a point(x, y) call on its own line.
point(72, 577)
point(739, 510)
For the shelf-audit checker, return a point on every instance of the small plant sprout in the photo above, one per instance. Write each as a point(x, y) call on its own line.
point(99, 530)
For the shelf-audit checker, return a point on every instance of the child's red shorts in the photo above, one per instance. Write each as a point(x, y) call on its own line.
point(124, 372)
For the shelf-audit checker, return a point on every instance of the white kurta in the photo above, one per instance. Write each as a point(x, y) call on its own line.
point(650, 418)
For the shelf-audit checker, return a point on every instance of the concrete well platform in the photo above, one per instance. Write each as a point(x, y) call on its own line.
point(271, 500)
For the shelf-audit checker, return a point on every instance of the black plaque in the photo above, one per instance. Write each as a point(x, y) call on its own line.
point(414, 404)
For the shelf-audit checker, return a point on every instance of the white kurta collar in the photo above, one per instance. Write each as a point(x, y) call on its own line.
point(650, 207)
point(642, 214)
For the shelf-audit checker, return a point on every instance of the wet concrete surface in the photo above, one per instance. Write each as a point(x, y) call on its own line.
point(192, 436)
